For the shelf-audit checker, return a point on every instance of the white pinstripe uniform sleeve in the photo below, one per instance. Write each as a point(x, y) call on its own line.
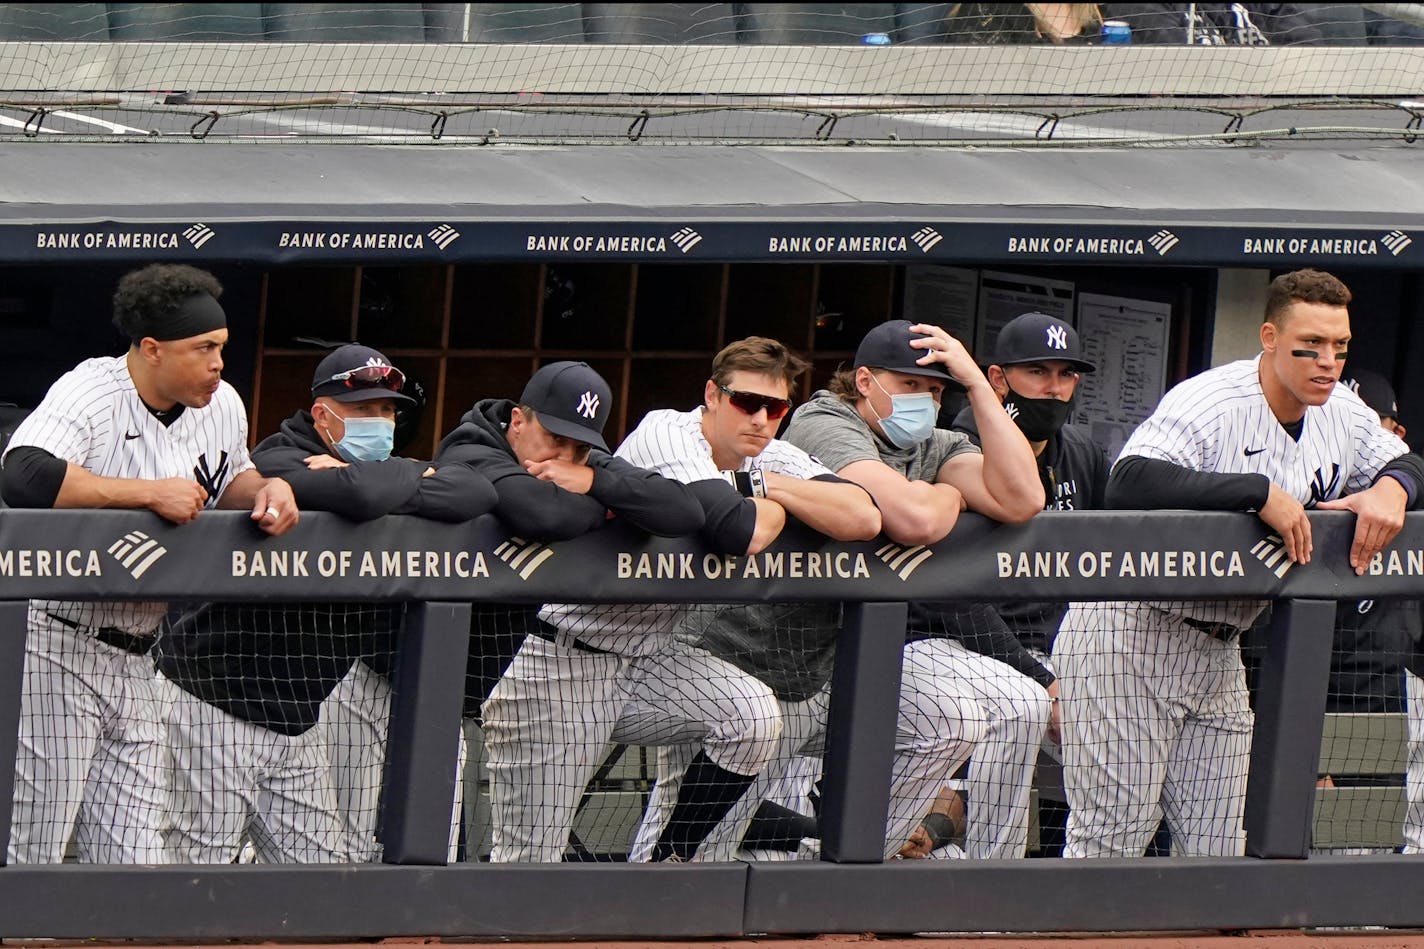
point(1181, 430)
point(671, 444)
point(1373, 446)
point(62, 423)
point(785, 458)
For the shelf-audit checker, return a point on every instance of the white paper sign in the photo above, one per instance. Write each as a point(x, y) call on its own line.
point(1127, 340)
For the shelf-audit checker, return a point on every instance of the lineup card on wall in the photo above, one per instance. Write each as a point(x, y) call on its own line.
point(1003, 296)
point(944, 296)
point(1127, 340)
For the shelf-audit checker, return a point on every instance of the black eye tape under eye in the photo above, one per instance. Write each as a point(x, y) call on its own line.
point(1315, 354)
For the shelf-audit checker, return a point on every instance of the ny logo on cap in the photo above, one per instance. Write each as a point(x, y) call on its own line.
point(588, 405)
point(1058, 337)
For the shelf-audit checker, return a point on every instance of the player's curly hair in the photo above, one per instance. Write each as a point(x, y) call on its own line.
point(758, 354)
point(156, 290)
point(1304, 286)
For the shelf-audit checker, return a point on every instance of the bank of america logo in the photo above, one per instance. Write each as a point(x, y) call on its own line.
point(903, 560)
point(1163, 241)
point(523, 556)
point(199, 234)
point(686, 239)
point(443, 235)
point(136, 552)
point(1271, 551)
point(925, 238)
point(1396, 241)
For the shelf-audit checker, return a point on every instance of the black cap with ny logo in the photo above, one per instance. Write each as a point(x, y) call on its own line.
point(571, 400)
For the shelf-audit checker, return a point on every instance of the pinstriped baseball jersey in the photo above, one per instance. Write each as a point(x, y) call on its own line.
point(1219, 421)
point(672, 444)
point(92, 416)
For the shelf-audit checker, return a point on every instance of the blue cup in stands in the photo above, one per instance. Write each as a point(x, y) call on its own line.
point(1116, 33)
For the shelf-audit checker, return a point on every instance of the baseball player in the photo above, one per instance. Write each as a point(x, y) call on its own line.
point(252, 677)
point(554, 479)
point(1155, 715)
point(1037, 363)
point(624, 678)
point(157, 429)
point(876, 426)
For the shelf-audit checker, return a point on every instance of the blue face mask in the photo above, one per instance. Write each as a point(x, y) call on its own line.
point(367, 439)
point(911, 420)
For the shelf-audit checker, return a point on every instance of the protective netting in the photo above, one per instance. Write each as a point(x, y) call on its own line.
point(671, 731)
point(492, 73)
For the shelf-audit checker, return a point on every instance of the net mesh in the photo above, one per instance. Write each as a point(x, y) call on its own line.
point(532, 73)
point(259, 732)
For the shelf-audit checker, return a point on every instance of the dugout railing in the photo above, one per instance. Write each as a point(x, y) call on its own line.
point(442, 569)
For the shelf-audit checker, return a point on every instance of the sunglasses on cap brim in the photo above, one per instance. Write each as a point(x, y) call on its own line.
point(753, 402)
point(387, 377)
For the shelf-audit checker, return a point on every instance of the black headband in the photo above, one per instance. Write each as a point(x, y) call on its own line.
point(194, 316)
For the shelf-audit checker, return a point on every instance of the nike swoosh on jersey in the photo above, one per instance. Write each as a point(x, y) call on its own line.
point(130, 436)
point(1248, 452)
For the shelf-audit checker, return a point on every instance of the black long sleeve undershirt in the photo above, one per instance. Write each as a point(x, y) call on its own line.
point(32, 477)
point(1144, 484)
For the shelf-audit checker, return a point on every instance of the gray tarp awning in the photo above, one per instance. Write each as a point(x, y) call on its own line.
point(1226, 206)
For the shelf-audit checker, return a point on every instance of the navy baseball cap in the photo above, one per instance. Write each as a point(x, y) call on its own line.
point(1038, 337)
point(571, 400)
point(355, 373)
point(887, 346)
point(1375, 390)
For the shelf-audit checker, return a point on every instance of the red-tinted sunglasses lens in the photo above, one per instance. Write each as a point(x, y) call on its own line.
point(387, 377)
point(753, 402)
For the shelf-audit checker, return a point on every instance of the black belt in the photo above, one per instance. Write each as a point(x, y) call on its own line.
point(128, 642)
point(1222, 631)
point(550, 633)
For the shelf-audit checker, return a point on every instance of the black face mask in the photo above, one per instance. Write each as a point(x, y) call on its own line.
point(1038, 419)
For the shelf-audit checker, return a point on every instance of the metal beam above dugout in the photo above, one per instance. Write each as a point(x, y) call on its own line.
point(1209, 206)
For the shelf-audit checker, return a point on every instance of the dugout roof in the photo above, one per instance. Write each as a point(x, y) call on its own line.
point(1328, 203)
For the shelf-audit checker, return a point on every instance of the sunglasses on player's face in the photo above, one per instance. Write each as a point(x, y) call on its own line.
point(753, 402)
point(387, 377)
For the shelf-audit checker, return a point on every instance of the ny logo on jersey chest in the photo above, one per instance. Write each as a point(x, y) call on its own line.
point(1320, 488)
point(211, 478)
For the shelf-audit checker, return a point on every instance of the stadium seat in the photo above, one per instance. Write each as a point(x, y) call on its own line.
point(820, 23)
point(54, 21)
point(659, 23)
point(526, 23)
point(191, 22)
point(344, 22)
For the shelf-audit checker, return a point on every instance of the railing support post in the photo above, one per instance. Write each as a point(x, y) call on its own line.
point(860, 740)
point(14, 627)
point(423, 742)
point(1290, 718)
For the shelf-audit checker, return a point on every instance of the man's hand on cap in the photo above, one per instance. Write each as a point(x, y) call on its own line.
point(948, 352)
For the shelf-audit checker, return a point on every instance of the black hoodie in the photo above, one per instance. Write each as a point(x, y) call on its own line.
point(541, 510)
point(1074, 472)
point(273, 664)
